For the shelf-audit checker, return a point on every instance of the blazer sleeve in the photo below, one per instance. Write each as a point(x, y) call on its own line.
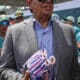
point(75, 70)
point(8, 70)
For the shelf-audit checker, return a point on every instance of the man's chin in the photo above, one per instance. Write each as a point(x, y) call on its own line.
point(47, 15)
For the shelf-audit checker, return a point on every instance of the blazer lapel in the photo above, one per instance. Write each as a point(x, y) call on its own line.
point(30, 35)
point(56, 44)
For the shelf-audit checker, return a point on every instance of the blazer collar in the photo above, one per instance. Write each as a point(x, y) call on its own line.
point(30, 34)
point(56, 44)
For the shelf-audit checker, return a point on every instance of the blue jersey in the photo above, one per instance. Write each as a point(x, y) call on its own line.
point(76, 29)
point(77, 33)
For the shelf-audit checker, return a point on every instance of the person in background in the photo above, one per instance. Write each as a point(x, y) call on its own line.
point(78, 37)
point(71, 20)
point(4, 23)
point(38, 33)
point(19, 16)
point(11, 21)
point(78, 21)
point(55, 17)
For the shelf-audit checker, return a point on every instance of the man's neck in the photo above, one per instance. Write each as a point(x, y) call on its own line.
point(43, 21)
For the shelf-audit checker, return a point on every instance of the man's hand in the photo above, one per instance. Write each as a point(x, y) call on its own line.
point(45, 75)
point(26, 76)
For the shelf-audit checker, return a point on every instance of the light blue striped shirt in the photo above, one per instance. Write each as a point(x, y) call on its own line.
point(45, 37)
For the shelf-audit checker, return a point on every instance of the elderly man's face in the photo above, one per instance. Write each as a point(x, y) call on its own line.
point(41, 9)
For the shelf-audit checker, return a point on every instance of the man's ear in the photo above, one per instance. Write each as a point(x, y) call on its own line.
point(28, 2)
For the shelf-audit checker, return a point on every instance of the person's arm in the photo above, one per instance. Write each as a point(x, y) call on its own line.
point(8, 70)
point(75, 70)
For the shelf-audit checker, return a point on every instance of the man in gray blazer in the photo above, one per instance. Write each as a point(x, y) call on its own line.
point(23, 39)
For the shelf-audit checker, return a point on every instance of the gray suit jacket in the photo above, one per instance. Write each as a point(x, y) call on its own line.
point(21, 42)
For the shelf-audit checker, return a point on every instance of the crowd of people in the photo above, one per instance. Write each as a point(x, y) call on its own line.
point(6, 21)
point(71, 21)
point(42, 31)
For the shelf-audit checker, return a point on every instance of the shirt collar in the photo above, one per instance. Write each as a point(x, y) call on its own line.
point(37, 25)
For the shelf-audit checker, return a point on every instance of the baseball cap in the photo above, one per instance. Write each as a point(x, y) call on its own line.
point(18, 13)
point(71, 18)
point(4, 20)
